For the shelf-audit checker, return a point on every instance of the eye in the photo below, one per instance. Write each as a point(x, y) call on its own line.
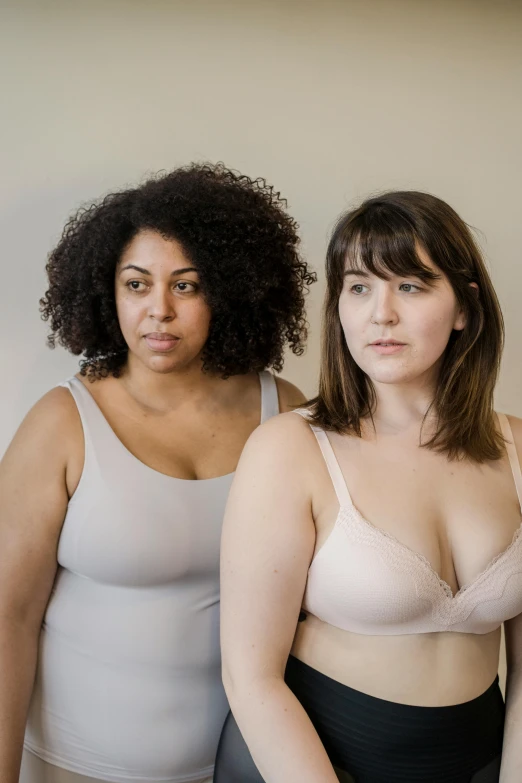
point(185, 287)
point(358, 289)
point(137, 286)
point(409, 288)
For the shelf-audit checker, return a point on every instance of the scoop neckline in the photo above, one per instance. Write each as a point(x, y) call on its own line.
point(144, 464)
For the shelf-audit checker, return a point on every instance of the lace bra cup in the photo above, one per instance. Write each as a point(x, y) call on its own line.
point(366, 581)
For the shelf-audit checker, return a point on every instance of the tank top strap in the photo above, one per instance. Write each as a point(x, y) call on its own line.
point(511, 449)
point(97, 432)
point(336, 474)
point(269, 397)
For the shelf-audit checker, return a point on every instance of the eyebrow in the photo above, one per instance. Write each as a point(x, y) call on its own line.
point(428, 276)
point(358, 272)
point(146, 271)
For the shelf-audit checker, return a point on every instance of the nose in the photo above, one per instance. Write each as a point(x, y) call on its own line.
point(161, 305)
point(384, 305)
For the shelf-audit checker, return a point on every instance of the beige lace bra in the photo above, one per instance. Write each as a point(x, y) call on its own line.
point(366, 581)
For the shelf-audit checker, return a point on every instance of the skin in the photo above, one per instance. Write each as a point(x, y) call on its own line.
point(409, 311)
point(440, 509)
point(174, 418)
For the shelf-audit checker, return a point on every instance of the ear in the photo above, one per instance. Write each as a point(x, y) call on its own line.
point(460, 319)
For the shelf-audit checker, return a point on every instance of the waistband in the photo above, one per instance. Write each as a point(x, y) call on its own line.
point(376, 739)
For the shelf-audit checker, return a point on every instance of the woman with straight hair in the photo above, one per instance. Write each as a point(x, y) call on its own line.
point(179, 294)
point(372, 544)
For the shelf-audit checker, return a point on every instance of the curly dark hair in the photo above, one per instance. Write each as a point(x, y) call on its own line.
point(236, 232)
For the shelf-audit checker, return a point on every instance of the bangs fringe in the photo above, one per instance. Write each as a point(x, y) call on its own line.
point(384, 247)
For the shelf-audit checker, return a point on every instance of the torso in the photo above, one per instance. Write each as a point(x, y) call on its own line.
point(457, 515)
point(130, 640)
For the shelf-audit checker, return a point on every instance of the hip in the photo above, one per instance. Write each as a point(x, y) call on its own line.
point(35, 770)
point(375, 739)
point(116, 727)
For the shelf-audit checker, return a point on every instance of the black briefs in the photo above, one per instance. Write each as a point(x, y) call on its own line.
point(378, 741)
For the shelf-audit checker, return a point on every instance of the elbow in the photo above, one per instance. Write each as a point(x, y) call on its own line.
point(231, 683)
point(25, 616)
point(247, 686)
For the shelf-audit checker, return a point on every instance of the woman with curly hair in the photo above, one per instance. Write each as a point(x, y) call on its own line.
point(372, 545)
point(179, 294)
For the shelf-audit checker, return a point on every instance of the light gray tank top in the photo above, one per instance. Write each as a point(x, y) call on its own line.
point(128, 683)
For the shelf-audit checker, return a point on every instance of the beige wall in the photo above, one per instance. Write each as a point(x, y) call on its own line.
point(328, 100)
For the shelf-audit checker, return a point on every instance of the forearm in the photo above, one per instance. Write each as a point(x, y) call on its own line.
point(18, 652)
point(279, 734)
point(511, 771)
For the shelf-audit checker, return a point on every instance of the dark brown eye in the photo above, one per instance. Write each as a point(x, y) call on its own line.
point(186, 287)
point(135, 285)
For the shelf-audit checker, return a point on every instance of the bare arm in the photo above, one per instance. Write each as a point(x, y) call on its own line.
point(511, 771)
point(268, 542)
point(33, 502)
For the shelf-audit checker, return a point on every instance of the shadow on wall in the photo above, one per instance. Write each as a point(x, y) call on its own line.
point(30, 225)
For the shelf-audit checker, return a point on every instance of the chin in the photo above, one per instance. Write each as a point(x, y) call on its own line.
point(395, 378)
point(169, 363)
point(161, 364)
point(390, 374)
point(163, 370)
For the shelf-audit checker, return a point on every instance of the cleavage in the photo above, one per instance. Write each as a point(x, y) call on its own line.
point(457, 516)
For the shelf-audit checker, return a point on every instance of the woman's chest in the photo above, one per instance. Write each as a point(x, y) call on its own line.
point(458, 516)
point(140, 528)
point(185, 444)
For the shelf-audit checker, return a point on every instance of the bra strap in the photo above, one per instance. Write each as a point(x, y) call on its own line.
point(511, 449)
point(338, 481)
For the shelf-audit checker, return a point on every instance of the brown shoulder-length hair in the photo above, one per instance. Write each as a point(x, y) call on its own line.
point(382, 237)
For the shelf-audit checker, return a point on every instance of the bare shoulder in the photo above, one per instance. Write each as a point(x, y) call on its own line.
point(276, 471)
point(55, 409)
point(281, 441)
point(516, 425)
point(52, 424)
point(290, 396)
point(516, 429)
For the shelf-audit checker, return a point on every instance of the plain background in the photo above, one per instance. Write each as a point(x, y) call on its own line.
point(328, 100)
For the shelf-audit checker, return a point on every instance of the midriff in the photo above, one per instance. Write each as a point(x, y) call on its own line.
point(428, 670)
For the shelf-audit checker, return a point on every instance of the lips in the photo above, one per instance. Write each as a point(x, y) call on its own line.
point(161, 341)
point(384, 341)
point(385, 347)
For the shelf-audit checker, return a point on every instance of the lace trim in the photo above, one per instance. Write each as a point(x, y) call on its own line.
point(446, 606)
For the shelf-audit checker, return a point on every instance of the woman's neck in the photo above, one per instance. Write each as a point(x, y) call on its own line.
point(403, 408)
point(164, 392)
